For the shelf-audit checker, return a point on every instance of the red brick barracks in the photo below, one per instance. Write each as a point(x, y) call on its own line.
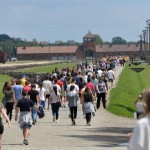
point(88, 50)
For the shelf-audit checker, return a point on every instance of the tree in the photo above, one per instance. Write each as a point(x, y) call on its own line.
point(34, 41)
point(4, 37)
point(106, 43)
point(1, 48)
point(118, 41)
point(99, 40)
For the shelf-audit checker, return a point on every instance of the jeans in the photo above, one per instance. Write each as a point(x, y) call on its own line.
point(73, 112)
point(34, 114)
point(55, 109)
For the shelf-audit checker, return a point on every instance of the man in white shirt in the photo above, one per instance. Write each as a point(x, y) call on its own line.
point(48, 86)
point(99, 73)
point(111, 76)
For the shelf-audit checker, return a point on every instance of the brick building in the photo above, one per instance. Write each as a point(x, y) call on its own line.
point(88, 50)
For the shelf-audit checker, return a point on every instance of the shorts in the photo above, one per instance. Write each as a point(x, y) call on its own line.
point(47, 96)
point(110, 80)
point(26, 126)
point(43, 103)
point(1, 129)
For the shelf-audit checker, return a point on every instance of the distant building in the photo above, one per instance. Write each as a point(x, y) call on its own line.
point(44, 43)
point(88, 50)
point(58, 42)
point(71, 42)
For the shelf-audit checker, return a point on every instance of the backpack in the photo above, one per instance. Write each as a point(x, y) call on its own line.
point(41, 114)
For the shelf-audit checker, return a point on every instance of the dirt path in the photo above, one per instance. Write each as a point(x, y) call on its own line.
point(107, 132)
point(19, 63)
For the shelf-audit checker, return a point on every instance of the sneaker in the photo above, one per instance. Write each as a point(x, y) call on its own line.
point(73, 123)
point(25, 142)
point(88, 124)
point(57, 121)
point(33, 123)
point(93, 114)
point(54, 119)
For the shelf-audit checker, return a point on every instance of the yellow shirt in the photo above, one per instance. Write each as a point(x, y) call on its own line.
point(23, 80)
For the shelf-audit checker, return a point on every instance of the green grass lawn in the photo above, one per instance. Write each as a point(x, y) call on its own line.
point(49, 68)
point(3, 79)
point(129, 86)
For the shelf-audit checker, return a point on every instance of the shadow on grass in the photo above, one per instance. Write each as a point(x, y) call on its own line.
point(125, 107)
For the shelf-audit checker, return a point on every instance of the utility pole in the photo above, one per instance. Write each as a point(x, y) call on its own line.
point(141, 51)
point(147, 41)
point(148, 23)
point(144, 42)
point(49, 52)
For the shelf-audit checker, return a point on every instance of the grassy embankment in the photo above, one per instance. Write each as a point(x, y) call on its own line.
point(46, 68)
point(49, 68)
point(130, 84)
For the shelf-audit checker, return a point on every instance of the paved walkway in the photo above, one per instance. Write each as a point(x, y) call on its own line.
point(107, 132)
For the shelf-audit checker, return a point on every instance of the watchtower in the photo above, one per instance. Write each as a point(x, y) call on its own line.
point(89, 45)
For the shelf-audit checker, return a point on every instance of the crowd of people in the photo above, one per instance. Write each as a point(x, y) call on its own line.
point(87, 83)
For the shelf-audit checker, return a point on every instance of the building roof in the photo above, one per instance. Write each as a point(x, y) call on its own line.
point(117, 48)
point(73, 49)
point(89, 35)
point(46, 49)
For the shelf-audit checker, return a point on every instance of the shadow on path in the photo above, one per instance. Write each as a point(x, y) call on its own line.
point(13, 144)
point(109, 136)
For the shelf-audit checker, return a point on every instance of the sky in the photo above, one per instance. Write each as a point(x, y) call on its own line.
point(54, 20)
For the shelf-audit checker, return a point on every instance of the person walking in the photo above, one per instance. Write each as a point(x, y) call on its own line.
point(3, 112)
point(88, 105)
point(101, 93)
point(25, 119)
point(55, 103)
point(111, 77)
point(10, 100)
point(42, 94)
point(72, 98)
point(17, 88)
point(47, 84)
point(140, 139)
point(34, 96)
point(4, 88)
